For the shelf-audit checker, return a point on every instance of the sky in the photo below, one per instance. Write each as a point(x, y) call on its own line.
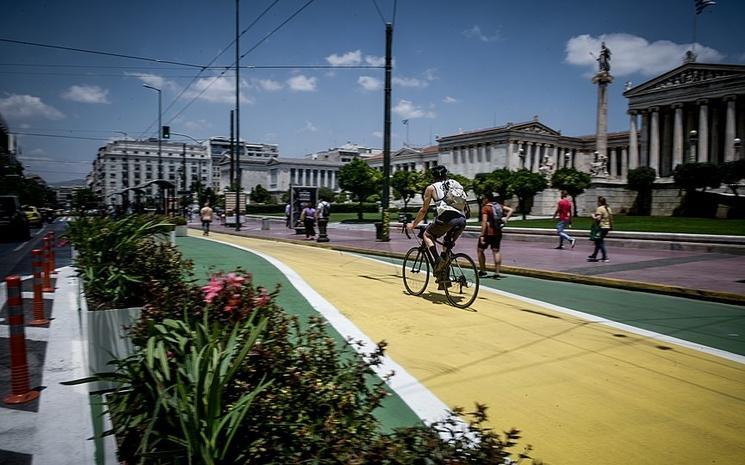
point(458, 66)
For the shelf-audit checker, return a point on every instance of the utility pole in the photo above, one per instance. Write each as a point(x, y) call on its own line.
point(237, 118)
point(183, 178)
point(384, 233)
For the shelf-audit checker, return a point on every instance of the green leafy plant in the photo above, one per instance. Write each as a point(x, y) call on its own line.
point(526, 184)
point(573, 181)
point(118, 259)
point(360, 181)
point(641, 180)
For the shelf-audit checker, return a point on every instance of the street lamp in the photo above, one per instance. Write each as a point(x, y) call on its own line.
point(738, 145)
point(521, 154)
point(160, 159)
point(692, 140)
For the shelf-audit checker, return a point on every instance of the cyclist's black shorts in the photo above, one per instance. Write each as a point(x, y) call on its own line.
point(450, 223)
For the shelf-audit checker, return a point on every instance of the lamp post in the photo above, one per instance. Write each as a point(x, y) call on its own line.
point(692, 141)
point(160, 158)
point(738, 145)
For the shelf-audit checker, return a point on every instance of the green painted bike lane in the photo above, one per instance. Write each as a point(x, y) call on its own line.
point(210, 257)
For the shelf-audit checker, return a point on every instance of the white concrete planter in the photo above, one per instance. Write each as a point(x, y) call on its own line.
point(181, 230)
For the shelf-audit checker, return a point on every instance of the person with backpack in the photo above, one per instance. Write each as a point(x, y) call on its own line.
point(323, 211)
point(449, 198)
point(494, 216)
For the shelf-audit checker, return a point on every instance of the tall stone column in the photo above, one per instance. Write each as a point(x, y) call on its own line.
point(644, 140)
point(602, 79)
point(509, 159)
point(729, 129)
point(703, 130)
point(624, 163)
point(678, 135)
point(654, 140)
point(633, 161)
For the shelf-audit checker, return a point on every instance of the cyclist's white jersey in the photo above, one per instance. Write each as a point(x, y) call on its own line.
point(439, 196)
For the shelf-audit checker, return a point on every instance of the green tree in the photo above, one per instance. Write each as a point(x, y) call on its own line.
point(326, 193)
point(641, 180)
point(360, 181)
point(571, 180)
point(83, 199)
point(731, 173)
point(692, 176)
point(260, 195)
point(405, 185)
point(525, 185)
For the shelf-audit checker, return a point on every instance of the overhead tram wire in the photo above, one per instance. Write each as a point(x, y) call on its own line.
point(264, 39)
point(209, 65)
point(380, 13)
point(58, 136)
point(98, 52)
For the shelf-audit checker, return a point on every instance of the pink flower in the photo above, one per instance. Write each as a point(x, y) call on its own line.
point(212, 289)
point(263, 299)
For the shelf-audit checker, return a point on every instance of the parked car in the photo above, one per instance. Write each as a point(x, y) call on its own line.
point(13, 221)
point(34, 216)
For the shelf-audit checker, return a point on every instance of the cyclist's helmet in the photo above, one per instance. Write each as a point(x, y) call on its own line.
point(439, 172)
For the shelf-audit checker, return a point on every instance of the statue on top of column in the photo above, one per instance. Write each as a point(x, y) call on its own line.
point(604, 58)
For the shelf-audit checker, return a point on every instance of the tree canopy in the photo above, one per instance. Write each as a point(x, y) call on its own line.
point(360, 181)
point(526, 184)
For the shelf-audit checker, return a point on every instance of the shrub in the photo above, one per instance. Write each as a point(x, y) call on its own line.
point(289, 392)
point(119, 259)
point(641, 180)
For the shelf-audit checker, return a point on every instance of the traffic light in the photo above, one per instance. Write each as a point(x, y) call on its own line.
point(166, 132)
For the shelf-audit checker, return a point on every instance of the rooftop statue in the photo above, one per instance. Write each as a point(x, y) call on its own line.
point(604, 58)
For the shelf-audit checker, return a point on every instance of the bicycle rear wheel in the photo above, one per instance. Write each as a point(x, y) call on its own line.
point(415, 271)
point(463, 286)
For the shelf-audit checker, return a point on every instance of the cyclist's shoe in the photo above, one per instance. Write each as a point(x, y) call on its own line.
point(483, 274)
point(444, 283)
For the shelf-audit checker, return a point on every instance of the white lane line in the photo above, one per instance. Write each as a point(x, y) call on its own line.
point(603, 321)
point(420, 399)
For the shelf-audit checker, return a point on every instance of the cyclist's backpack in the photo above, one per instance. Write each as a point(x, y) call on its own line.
point(495, 219)
point(455, 196)
point(326, 210)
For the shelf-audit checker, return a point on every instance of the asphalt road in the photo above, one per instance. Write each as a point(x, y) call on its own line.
point(15, 256)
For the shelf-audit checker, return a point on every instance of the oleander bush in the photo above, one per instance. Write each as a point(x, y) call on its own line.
point(223, 375)
point(118, 259)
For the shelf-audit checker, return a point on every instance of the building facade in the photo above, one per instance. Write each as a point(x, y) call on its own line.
point(219, 151)
point(691, 113)
point(122, 166)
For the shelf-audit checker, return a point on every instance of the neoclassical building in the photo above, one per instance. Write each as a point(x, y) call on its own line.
point(693, 112)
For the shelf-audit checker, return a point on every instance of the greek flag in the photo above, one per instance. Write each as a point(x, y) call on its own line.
point(405, 121)
point(701, 4)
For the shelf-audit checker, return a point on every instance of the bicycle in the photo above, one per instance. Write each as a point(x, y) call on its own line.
point(459, 278)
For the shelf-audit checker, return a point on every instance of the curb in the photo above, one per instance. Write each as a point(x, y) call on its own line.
point(676, 291)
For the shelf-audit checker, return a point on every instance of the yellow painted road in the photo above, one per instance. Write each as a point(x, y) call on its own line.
point(582, 393)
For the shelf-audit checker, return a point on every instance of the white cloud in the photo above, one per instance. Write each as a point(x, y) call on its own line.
point(196, 126)
point(220, 90)
point(269, 85)
point(475, 33)
point(370, 83)
point(408, 110)
point(153, 80)
point(86, 94)
point(309, 127)
point(449, 99)
point(28, 106)
point(372, 60)
point(348, 59)
point(410, 82)
point(429, 74)
point(378, 134)
point(302, 83)
point(633, 54)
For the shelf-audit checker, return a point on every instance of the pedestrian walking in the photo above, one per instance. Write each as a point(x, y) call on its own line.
point(603, 217)
point(288, 215)
point(564, 213)
point(494, 215)
point(323, 212)
point(205, 214)
point(308, 217)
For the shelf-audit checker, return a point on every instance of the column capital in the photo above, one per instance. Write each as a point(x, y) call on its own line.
point(654, 109)
point(702, 101)
point(729, 98)
point(632, 112)
point(676, 106)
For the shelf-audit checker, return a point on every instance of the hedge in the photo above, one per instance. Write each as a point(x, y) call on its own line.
point(256, 209)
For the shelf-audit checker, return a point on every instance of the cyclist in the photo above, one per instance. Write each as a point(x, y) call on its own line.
point(450, 220)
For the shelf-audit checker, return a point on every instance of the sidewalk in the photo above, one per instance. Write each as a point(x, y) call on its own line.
point(690, 273)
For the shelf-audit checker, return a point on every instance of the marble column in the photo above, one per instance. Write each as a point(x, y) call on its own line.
point(602, 79)
point(633, 162)
point(703, 130)
point(677, 135)
point(729, 129)
point(644, 139)
point(624, 163)
point(654, 140)
point(613, 161)
point(509, 161)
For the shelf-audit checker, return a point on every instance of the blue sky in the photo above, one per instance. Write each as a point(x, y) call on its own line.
point(458, 66)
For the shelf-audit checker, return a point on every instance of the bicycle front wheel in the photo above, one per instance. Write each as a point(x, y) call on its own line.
point(415, 271)
point(462, 287)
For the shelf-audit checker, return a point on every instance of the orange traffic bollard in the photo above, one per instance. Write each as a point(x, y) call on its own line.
point(20, 391)
point(52, 261)
point(37, 263)
point(47, 266)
